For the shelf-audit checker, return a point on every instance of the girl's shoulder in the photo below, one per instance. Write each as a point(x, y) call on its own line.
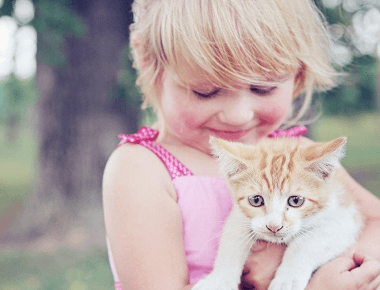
point(135, 168)
point(132, 156)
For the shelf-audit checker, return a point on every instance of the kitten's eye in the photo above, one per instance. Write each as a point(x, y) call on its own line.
point(296, 201)
point(206, 95)
point(256, 200)
point(262, 91)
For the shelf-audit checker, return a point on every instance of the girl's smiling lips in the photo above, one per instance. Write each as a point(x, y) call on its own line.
point(229, 135)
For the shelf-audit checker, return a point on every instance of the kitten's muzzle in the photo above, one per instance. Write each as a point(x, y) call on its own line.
point(274, 229)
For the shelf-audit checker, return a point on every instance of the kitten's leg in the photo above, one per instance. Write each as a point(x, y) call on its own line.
point(234, 248)
point(306, 254)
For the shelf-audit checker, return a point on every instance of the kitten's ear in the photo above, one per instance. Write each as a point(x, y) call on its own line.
point(323, 158)
point(227, 154)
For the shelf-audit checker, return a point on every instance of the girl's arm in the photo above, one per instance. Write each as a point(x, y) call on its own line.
point(143, 221)
point(369, 205)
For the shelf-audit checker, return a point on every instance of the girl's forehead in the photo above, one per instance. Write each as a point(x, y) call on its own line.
point(198, 78)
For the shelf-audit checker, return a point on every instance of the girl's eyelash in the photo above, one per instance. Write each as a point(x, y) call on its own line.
point(207, 95)
point(262, 91)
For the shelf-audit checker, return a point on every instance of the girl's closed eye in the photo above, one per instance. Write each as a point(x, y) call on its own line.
point(262, 91)
point(207, 95)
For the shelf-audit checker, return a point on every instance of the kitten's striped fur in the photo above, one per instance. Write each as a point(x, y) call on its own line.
point(283, 192)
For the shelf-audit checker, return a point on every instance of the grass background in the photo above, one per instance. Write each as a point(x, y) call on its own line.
point(82, 270)
point(363, 145)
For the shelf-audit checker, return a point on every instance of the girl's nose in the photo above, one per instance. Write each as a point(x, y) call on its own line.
point(237, 110)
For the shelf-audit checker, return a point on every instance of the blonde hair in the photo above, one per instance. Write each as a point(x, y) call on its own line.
point(231, 41)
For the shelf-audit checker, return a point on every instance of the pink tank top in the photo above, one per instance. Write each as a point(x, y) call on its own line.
point(204, 202)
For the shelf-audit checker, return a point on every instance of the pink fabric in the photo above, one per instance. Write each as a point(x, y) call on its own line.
point(145, 137)
point(118, 286)
point(292, 132)
point(204, 201)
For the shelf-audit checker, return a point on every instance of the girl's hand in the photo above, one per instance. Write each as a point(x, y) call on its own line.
point(261, 266)
point(360, 272)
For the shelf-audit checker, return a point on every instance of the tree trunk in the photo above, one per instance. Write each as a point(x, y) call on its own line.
point(78, 123)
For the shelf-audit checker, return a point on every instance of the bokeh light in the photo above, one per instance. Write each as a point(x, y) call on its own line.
point(24, 11)
point(350, 6)
point(367, 30)
point(8, 28)
point(18, 45)
point(362, 37)
point(341, 54)
point(25, 54)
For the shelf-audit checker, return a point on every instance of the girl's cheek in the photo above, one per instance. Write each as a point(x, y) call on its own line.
point(188, 120)
point(272, 114)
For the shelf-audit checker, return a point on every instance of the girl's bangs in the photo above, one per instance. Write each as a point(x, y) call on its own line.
point(214, 73)
point(227, 42)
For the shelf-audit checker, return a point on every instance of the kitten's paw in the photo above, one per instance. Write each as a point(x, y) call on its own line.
point(289, 282)
point(216, 282)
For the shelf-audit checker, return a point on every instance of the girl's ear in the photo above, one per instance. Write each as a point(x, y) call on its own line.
point(323, 158)
point(227, 154)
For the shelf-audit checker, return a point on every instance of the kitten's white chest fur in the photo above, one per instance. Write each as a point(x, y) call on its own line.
point(317, 223)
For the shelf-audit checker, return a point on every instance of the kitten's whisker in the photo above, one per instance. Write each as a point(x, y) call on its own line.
point(302, 235)
point(253, 238)
point(245, 247)
point(228, 231)
point(244, 241)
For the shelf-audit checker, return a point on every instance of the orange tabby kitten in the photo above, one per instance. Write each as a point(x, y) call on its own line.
point(283, 192)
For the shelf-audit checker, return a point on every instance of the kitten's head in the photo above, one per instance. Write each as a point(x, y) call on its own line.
point(279, 184)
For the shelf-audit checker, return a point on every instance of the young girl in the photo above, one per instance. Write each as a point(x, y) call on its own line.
point(224, 68)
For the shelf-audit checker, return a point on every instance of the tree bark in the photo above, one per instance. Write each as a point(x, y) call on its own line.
point(77, 124)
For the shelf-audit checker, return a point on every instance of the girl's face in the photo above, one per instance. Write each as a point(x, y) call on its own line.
point(246, 113)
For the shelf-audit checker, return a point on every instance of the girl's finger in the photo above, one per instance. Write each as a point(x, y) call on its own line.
point(342, 264)
point(375, 284)
point(369, 268)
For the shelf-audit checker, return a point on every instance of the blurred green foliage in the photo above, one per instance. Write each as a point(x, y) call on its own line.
point(18, 161)
point(126, 82)
point(66, 270)
point(54, 22)
point(357, 92)
point(16, 96)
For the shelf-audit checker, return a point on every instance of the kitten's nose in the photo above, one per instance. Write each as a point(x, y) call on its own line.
point(274, 229)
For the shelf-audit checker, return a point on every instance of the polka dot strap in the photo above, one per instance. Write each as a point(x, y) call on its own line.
point(292, 132)
point(144, 134)
point(146, 137)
